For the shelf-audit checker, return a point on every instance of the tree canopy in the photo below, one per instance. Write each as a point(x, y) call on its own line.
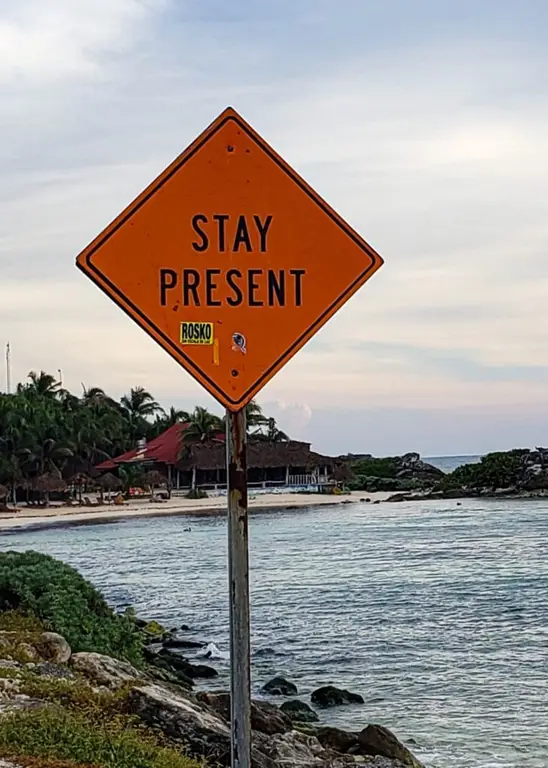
point(47, 430)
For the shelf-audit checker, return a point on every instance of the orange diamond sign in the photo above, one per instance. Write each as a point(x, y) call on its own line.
point(230, 261)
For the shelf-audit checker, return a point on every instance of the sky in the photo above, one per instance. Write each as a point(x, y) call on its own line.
point(424, 123)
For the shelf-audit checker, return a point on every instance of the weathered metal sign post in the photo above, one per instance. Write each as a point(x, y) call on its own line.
point(231, 262)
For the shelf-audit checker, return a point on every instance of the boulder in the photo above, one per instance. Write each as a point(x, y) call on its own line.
point(180, 664)
point(174, 642)
point(265, 717)
point(54, 648)
point(161, 669)
point(330, 696)
point(195, 671)
point(378, 740)
point(299, 711)
point(103, 670)
point(202, 731)
point(338, 740)
point(279, 686)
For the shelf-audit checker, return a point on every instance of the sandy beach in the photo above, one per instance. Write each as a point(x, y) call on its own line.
point(216, 505)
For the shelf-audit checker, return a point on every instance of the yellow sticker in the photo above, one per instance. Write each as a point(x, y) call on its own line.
point(196, 333)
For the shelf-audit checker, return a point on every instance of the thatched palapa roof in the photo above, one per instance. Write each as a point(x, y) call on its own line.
point(110, 482)
point(260, 454)
point(49, 483)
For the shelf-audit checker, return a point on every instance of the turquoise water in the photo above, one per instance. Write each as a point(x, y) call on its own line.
point(436, 613)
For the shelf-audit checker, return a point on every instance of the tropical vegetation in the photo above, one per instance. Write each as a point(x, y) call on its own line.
point(47, 431)
point(66, 603)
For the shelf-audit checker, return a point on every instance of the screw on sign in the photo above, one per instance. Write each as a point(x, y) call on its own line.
point(231, 262)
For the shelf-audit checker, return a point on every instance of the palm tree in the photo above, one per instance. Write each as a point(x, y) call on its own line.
point(272, 433)
point(254, 416)
point(203, 426)
point(41, 384)
point(175, 416)
point(140, 404)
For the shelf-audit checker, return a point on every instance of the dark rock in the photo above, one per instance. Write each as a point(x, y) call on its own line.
point(337, 739)
point(196, 671)
point(160, 668)
point(180, 664)
point(329, 696)
point(299, 711)
point(279, 686)
point(174, 642)
point(378, 740)
point(166, 675)
point(185, 628)
point(265, 717)
point(54, 671)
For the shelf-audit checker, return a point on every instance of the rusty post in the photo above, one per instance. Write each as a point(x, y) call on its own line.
point(238, 575)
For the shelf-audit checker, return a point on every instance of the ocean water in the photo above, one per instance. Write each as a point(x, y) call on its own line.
point(437, 613)
point(450, 463)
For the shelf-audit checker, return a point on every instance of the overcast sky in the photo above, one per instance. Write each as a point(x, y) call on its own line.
point(423, 122)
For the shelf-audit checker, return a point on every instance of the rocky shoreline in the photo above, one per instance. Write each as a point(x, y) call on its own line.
point(517, 474)
point(375, 745)
point(161, 696)
point(77, 678)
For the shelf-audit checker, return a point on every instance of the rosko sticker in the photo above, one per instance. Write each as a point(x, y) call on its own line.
point(196, 333)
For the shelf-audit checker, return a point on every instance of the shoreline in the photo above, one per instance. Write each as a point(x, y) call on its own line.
point(31, 518)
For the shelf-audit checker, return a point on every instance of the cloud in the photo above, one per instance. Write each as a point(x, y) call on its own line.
point(47, 40)
point(430, 138)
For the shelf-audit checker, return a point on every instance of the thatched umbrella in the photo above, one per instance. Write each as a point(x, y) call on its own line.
point(152, 478)
point(109, 482)
point(49, 483)
point(155, 478)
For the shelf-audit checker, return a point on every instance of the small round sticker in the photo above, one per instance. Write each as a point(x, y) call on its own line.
point(239, 343)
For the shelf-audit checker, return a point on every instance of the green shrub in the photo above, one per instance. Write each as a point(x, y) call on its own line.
point(55, 734)
point(383, 467)
point(66, 603)
point(495, 470)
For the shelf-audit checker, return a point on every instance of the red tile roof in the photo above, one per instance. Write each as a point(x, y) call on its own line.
point(164, 449)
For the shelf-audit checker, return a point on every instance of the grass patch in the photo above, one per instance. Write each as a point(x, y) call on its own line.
point(20, 622)
point(78, 696)
point(56, 734)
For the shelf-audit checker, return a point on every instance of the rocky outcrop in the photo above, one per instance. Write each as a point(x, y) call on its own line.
point(180, 718)
point(338, 740)
point(103, 670)
point(265, 717)
point(410, 466)
point(393, 473)
point(377, 740)
point(330, 696)
point(299, 711)
point(201, 723)
point(190, 671)
point(279, 686)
